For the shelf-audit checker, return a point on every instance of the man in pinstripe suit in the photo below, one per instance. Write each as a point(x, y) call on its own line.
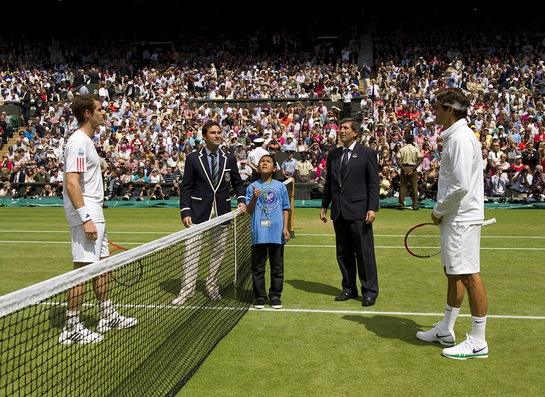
point(205, 194)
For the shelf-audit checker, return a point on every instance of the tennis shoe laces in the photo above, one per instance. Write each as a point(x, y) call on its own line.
point(115, 321)
point(78, 334)
point(436, 334)
point(469, 348)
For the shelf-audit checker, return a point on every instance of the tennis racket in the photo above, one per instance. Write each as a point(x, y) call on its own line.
point(128, 274)
point(423, 240)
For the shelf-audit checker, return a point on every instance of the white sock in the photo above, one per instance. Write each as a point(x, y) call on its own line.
point(106, 308)
point(451, 313)
point(478, 328)
point(72, 318)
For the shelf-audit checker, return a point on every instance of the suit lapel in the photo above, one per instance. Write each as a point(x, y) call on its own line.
point(353, 158)
point(205, 166)
point(223, 161)
point(222, 158)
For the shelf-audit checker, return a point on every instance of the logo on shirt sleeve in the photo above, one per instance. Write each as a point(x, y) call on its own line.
point(80, 161)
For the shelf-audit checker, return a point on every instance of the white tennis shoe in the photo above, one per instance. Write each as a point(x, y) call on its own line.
point(469, 348)
point(79, 334)
point(436, 334)
point(115, 321)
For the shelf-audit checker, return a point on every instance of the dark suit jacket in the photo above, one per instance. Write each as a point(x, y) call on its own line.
point(359, 192)
point(198, 196)
point(17, 177)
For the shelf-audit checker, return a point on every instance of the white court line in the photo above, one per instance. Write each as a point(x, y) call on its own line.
point(402, 235)
point(301, 310)
point(393, 313)
point(287, 245)
point(56, 242)
point(402, 247)
point(68, 231)
point(297, 234)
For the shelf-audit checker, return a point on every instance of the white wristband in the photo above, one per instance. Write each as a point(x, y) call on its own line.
point(84, 214)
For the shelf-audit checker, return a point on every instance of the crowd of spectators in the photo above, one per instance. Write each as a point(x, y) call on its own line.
point(501, 70)
point(151, 124)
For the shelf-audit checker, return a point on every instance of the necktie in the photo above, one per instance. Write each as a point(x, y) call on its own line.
point(215, 168)
point(344, 162)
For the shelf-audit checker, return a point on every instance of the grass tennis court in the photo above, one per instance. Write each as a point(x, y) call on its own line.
point(316, 346)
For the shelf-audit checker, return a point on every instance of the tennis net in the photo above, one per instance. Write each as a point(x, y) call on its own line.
point(158, 355)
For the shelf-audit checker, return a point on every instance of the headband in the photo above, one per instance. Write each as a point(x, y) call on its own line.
point(455, 105)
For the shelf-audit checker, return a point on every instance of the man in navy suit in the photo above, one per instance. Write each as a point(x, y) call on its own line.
point(352, 189)
point(205, 194)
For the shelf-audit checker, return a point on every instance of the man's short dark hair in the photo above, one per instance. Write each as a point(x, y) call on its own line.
point(82, 103)
point(209, 124)
point(354, 124)
point(452, 96)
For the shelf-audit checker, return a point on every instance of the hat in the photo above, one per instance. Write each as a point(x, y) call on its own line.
point(259, 140)
point(10, 148)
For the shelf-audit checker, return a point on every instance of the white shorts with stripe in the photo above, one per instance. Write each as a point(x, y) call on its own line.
point(460, 247)
point(86, 250)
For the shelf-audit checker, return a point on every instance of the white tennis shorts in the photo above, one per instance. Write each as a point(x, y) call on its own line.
point(460, 247)
point(86, 250)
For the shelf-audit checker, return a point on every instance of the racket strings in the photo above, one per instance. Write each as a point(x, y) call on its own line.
point(424, 240)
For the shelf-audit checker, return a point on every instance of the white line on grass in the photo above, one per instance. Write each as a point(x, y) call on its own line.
point(402, 235)
point(287, 245)
point(68, 231)
point(298, 234)
point(402, 247)
point(300, 310)
point(394, 313)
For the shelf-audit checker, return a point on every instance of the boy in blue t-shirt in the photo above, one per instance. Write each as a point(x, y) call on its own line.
point(268, 202)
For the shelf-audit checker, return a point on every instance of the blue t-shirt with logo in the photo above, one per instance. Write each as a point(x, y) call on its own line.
point(276, 201)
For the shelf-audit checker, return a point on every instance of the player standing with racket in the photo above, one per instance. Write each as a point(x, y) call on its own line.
point(459, 212)
point(83, 203)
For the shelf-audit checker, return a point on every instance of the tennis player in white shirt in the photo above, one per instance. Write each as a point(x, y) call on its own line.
point(459, 213)
point(83, 208)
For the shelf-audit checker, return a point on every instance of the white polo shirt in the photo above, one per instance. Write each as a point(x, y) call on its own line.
point(460, 190)
point(81, 156)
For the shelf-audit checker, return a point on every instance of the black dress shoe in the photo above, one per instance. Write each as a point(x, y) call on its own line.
point(367, 301)
point(345, 296)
